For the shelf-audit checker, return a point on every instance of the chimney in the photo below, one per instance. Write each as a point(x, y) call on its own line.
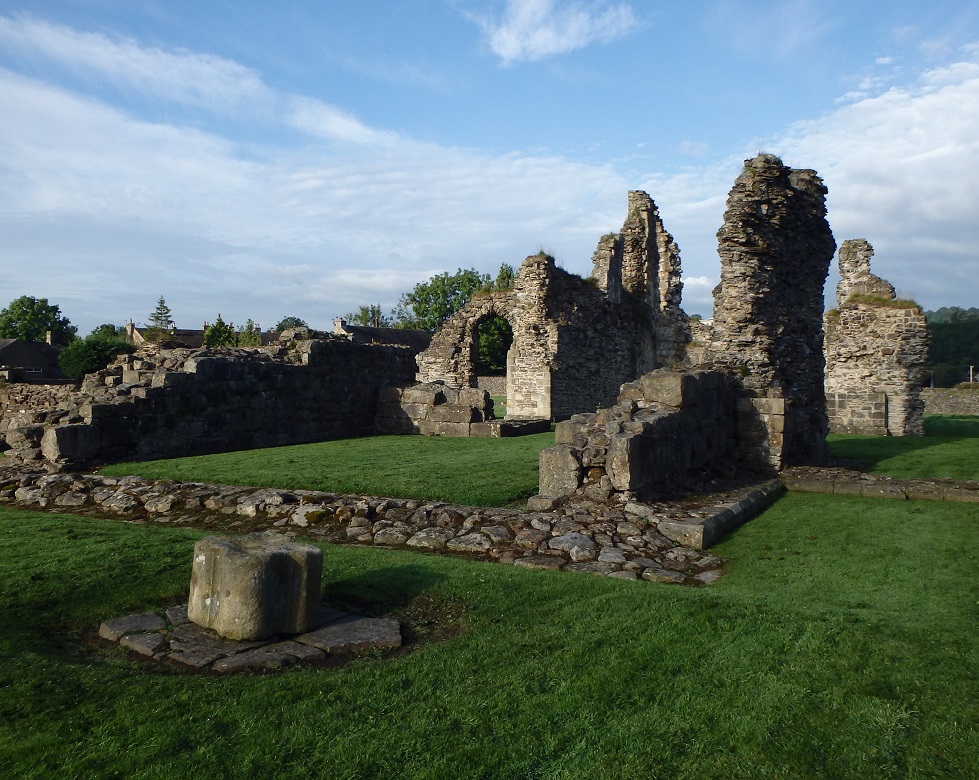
point(47, 337)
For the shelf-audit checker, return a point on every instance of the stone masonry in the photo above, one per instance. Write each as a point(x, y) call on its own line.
point(775, 248)
point(435, 409)
point(672, 430)
point(576, 340)
point(876, 349)
point(187, 402)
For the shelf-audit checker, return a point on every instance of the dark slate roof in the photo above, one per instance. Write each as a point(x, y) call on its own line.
point(416, 339)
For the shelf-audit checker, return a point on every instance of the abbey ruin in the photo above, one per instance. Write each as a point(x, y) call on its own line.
point(876, 348)
point(677, 400)
point(575, 341)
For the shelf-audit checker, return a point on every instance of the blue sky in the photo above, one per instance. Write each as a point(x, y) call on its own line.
point(306, 158)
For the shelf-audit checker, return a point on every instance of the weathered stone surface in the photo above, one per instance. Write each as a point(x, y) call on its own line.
point(113, 630)
point(876, 350)
point(662, 575)
point(144, 644)
point(254, 586)
point(431, 538)
point(539, 562)
point(264, 659)
point(474, 543)
point(775, 248)
point(354, 634)
point(228, 399)
point(560, 471)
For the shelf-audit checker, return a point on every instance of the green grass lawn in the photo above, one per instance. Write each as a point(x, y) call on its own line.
point(475, 472)
point(949, 449)
point(841, 643)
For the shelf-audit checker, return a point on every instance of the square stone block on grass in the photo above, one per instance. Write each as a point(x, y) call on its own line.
point(251, 587)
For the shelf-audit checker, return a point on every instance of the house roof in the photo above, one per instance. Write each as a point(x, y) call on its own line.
point(418, 340)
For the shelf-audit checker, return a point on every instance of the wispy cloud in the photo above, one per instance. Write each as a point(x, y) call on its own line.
point(771, 26)
point(199, 80)
point(533, 30)
point(183, 78)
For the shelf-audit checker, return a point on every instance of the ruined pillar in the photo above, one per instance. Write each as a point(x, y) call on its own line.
point(876, 349)
point(775, 247)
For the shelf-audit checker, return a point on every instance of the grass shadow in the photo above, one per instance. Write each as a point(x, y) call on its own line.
point(897, 455)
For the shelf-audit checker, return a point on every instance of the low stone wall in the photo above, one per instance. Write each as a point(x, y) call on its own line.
point(950, 400)
point(188, 402)
point(435, 409)
point(656, 542)
point(671, 428)
point(844, 482)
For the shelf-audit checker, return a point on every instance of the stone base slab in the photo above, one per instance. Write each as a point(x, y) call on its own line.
point(173, 638)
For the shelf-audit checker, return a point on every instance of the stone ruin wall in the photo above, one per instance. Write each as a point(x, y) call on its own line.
point(188, 402)
point(576, 340)
point(672, 430)
point(875, 353)
point(775, 247)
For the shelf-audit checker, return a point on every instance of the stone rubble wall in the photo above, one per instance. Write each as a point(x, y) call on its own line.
point(672, 429)
point(435, 409)
point(875, 353)
point(775, 247)
point(659, 543)
point(494, 385)
point(188, 402)
point(950, 400)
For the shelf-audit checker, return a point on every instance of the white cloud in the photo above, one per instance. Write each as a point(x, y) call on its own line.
point(201, 80)
point(533, 30)
point(91, 196)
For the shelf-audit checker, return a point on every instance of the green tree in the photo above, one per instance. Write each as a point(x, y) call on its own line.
point(249, 335)
point(220, 334)
point(505, 278)
point(493, 339)
point(431, 303)
point(108, 331)
point(369, 316)
point(30, 319)
point(162, 317)
point(93, 353)
point(290, 323)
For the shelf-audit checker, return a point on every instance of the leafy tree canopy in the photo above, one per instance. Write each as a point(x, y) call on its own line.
point(220, 334)
point(93, 353)
point(249, 335)
point(30, 319)
point(290, 323)
point(109, 331)
point(431, 303)
point(369, 316)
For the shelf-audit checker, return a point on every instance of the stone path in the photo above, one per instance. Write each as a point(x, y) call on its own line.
point(173, 638)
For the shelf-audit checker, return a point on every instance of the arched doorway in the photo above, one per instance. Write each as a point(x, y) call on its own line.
point(492, 340)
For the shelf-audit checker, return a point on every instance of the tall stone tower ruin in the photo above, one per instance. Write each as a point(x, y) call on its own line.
point(775, 247)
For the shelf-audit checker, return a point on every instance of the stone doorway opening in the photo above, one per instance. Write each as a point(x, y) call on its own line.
point(491, 346)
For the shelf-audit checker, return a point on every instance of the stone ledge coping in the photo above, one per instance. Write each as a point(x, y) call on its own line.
point(174, 638)
point(707, 531)
point(845, 482)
